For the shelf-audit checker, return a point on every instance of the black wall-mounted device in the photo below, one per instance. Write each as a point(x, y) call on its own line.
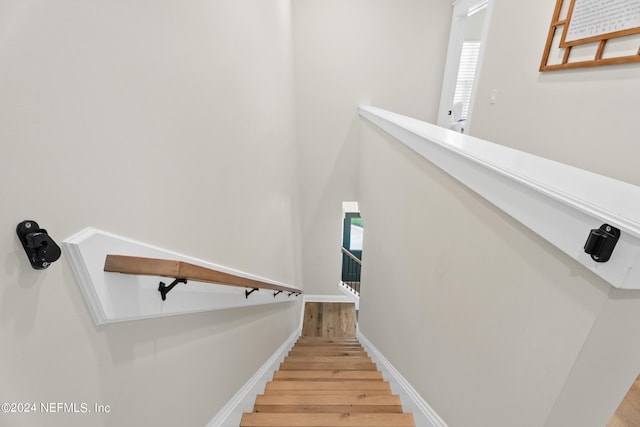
point(39, 246)
point(601, 242)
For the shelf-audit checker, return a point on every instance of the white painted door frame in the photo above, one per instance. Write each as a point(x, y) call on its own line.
point(456, 39)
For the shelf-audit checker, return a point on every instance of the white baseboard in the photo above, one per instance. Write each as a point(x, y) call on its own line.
point(423, 414)
point(327, 298)
point(244, 399)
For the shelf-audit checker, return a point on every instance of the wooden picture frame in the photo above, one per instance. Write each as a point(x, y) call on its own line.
point(582, 32)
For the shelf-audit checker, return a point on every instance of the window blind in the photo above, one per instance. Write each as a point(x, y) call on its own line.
point(466, 74)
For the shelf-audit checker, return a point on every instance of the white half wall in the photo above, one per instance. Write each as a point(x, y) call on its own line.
point(561, 203)
point(483, 317)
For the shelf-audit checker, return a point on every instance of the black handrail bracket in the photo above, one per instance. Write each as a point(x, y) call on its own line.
point(247, 293)
point(164, 289)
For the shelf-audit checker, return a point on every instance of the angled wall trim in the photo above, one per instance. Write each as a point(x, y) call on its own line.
point(115, 297)
point(559, 202)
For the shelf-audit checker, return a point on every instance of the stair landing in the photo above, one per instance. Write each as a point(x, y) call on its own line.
point(329, 319)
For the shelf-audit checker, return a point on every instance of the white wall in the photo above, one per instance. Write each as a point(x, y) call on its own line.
point(389, 53)
point(584, 117)
point(492, 325)
point(167, 122)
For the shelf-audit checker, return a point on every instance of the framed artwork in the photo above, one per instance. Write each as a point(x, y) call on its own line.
point(589, 33)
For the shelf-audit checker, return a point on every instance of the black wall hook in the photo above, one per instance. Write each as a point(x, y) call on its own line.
point(601, 242)
point(39, 246)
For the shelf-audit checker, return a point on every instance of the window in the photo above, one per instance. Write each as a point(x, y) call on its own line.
point(466, 76)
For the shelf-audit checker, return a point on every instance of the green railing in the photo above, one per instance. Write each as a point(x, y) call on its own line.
point(351, 267)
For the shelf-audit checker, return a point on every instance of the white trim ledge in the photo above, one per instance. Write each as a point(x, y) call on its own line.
point(559, 202)
point(115, 297)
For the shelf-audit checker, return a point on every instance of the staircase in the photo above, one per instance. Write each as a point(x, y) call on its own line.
point(327, 381)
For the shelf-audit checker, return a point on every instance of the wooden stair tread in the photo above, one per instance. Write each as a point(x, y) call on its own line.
point(328, 354)
point(329, 385)
point(319, 350)
point(328, 392)
point(328, 409)
point(306, 366)
point(343, 375)
point(315, 409)
point(263, 419)
point(327, 403)
point(343, 394)
point(328, 359)
point(332, 347)
point(329, 343)
point(321, 400)
point(327, 351)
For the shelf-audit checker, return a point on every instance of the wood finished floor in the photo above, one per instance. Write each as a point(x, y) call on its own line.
point(628, 413)
point(326, 319)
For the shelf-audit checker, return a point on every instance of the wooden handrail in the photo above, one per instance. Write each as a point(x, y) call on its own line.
point(352, 256)
point(184, 270)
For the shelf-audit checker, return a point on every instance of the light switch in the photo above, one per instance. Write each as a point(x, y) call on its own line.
point(494, 95)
